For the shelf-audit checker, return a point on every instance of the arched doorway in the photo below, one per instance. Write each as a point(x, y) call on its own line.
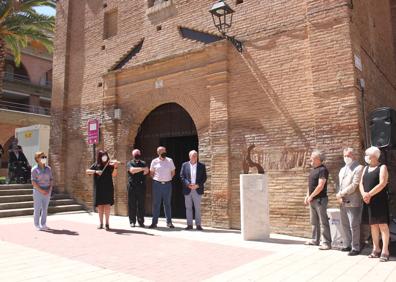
point(171, 126)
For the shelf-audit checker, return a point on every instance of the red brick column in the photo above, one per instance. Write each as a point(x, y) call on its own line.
point(219, 138)
point(58, 135)
point(336, 105)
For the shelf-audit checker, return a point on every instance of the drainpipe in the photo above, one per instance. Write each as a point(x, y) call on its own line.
point(361, 86)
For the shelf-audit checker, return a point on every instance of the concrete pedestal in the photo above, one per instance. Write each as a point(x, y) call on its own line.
point(336, 231)
point(255, 224)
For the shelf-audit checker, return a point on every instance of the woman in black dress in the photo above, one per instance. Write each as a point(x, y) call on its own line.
point(373, 187)
point(103, 171)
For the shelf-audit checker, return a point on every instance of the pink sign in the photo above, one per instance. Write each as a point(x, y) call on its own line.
point(93, 131)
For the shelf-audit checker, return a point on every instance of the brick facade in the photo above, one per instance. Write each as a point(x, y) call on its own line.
point(293, 89)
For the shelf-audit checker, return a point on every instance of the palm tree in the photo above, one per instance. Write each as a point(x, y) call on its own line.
point(22, 26)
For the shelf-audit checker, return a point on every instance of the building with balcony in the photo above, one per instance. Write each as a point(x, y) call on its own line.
point(26, 97)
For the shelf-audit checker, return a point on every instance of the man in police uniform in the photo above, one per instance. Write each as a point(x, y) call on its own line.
point(137, 171)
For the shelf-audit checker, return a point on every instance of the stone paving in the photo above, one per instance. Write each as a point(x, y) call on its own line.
point(74, 250)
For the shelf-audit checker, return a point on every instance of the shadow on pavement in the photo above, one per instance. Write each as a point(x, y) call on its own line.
point(62, 232)
point(195, 230)
point(285, 241)
point(125, 232)
point(169, 229)
point(218, 231)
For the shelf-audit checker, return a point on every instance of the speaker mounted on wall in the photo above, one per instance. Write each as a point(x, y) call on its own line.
point(383, 128)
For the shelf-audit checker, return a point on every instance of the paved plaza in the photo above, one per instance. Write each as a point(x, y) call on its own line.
point(74, 250)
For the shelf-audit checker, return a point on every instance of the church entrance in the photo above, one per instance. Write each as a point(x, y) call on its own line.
point(171, 126)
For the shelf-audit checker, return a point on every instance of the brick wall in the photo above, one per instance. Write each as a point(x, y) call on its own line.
point(292, 90)
point(373, 39)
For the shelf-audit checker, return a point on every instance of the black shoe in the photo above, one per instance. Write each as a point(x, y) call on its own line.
point(170, 225)
point(199, 227)
point(100, 226)
point(353, 253)
point(153, 226)
point(189, 227)
point(107, 227)
point(142, 225)
point(132, 225)
point(346, 249)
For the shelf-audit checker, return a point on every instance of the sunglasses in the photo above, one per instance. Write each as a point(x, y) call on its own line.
point(43, 157)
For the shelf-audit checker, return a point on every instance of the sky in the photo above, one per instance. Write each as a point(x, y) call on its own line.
point(46, 11)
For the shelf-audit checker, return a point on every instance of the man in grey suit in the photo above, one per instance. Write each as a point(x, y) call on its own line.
point(350, 202)
point(193, 177)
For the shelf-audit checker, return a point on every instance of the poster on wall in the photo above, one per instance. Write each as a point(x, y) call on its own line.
point(93, 131)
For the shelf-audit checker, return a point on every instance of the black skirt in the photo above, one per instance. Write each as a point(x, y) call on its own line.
point(104, 188)
point(377, 211)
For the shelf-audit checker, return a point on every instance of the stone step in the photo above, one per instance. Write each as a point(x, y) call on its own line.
point(26, 198)
point(29, 204)
point(16, 198)
point(15, 186)
point(6, 192)
point(51, 210)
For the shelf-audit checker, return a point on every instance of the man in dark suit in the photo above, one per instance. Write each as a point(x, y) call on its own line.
point(193, 176)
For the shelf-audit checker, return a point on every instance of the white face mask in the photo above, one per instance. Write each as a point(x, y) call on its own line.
point(348, 160)
point(43, 161)
point(367, 159)
point(104, 159)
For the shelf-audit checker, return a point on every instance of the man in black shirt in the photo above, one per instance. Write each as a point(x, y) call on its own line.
point(137, 171)
point(317, 199)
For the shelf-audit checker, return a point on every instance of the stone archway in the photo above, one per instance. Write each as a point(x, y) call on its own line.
point(198, 83)
point(168, 125)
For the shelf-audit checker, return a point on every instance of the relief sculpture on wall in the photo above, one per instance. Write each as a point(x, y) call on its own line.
point(273, 160)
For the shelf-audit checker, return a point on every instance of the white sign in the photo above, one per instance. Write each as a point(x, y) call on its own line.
point(358, 63)
point(92, 126)
point(159, 83)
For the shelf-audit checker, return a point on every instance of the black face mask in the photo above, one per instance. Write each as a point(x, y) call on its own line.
point(163, 155)
point(137, 157)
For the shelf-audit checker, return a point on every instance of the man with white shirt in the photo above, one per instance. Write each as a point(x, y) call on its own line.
point(350, 202)
point(162, 170)
point(193, 176)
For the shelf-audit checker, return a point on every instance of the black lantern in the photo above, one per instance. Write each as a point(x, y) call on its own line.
point(222, 18)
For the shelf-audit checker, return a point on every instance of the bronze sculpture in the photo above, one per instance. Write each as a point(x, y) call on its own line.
point(247, 162)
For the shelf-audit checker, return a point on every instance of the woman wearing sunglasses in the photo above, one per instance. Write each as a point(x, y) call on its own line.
point(42, 187)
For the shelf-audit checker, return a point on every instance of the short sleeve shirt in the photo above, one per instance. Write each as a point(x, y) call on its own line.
point(162, 169)
point(137, 178)
point(42, 177)
point(313, 180)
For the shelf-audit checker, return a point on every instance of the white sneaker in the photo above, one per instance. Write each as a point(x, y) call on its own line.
point(44, 228)
point(37, 228)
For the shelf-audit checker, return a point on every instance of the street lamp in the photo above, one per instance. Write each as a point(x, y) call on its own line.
point(222, 19)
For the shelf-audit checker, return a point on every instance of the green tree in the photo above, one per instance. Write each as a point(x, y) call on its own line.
point(22, 26)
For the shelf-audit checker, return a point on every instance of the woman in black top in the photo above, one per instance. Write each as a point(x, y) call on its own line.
point(103, 171)
point(373, 187)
